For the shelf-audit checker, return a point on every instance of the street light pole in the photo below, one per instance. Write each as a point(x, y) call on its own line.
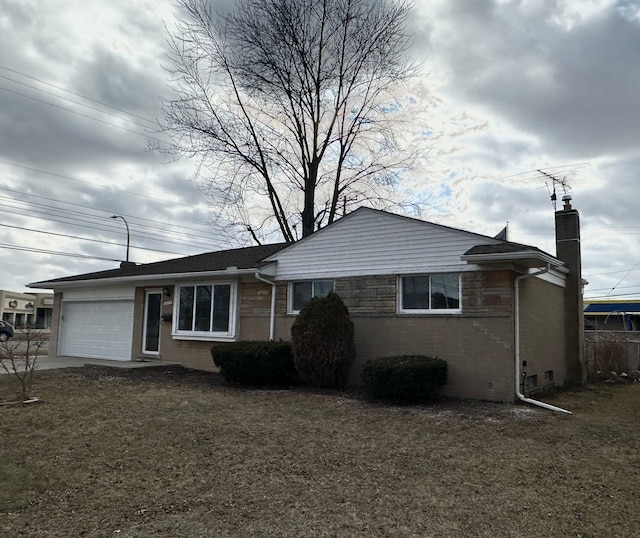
point(128, 234)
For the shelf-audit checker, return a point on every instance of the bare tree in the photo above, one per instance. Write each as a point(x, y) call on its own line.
point(290, 102)
point(18, 359)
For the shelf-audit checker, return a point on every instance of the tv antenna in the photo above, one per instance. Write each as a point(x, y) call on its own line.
point(555, 182)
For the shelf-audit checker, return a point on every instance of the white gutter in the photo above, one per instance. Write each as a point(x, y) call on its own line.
point(159, 277)
point(536, 257)
point(519, 394)
point(272, 317)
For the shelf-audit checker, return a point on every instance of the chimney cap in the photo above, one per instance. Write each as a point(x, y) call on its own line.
point(566, 197)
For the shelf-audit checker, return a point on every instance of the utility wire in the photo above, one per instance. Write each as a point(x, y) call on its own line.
point(72, 221)
point(604, 297)
point(92, 240)
point(90, 217)
point(94, 184)
point(56, 253)
point(72, 101)
point(591, 290)
point(538, 173)
point(146, 135)
point(76, 94)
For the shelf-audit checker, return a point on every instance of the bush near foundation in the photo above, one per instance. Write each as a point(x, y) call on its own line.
point(606, 353)
point(322, 342)
point(255, 362)
point(404, 378)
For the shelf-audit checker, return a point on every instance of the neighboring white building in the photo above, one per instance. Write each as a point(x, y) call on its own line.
point(22, 309)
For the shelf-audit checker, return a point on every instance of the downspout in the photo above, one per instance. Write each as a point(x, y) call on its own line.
point(272, 317)
point(517, 344)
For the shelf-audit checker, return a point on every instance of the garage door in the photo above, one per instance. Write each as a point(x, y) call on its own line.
point(97, 330)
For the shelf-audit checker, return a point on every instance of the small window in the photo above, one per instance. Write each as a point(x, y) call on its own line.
point(531, 381)
point(548, 376)
point(300, 293)
point(428, 293)
point(205, 309)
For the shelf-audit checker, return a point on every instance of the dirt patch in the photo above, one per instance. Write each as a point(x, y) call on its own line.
point(170, 452)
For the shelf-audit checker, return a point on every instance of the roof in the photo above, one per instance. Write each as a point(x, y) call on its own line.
point(364, 209)
point(491, 251)
point(511, 252)
point(240, 258)
point(612, 307)
point(499, 249)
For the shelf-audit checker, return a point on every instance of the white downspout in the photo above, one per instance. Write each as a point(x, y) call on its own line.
point(272, 318)
point(517, 344)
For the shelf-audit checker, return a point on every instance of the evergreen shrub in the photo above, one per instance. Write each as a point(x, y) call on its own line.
point(404, 378)
point(322, 342)
point(255, 362)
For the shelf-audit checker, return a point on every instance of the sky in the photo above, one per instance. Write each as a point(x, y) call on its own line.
point(507, 88)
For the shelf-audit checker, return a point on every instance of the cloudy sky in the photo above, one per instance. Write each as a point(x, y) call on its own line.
point(509, 87)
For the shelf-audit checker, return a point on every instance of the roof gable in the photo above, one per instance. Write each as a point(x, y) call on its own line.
point(379, 215)
point(369, 241)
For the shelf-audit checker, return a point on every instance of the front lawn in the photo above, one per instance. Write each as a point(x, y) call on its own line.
point(173, 453)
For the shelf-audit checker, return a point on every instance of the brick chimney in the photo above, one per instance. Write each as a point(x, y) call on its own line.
point(568, 251)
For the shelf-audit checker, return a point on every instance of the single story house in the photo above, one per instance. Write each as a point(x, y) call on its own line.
point(493, 309)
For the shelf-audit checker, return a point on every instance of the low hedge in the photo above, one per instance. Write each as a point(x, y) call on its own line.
point(255, 362)
point(404, 378)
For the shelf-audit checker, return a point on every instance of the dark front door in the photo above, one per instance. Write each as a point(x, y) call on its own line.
point(152, 311)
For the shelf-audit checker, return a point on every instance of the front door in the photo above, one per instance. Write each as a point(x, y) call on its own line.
point(152, 312)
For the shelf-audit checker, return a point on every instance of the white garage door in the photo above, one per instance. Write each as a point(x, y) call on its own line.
point(97, 330)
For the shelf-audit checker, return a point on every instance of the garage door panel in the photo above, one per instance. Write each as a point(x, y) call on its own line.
point(99, 330)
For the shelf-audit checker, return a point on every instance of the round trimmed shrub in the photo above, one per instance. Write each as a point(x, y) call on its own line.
point(322, 342)
point(404, 378)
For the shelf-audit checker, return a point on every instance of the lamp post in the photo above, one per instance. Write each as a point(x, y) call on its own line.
point(128, 235)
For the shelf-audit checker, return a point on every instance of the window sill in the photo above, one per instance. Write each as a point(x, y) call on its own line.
point(430, 312)
point(203, 337)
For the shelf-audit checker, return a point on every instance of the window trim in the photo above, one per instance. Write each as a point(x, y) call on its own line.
point(402, 310)
point(290, 284)
point(209, 336)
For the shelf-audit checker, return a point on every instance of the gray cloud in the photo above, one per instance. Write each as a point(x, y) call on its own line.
point(576, 87)
point(510, 87)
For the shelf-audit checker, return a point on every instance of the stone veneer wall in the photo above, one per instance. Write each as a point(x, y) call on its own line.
point(254, 310)
point(477, 343)
point(542, 333)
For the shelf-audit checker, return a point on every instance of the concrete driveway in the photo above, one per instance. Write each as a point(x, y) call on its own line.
point(50, 363)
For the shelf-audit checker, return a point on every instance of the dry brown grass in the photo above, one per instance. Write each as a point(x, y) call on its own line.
point(159, 453)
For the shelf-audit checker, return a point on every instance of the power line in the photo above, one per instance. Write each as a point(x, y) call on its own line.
point(56, 253)
point(73, 221)
point(163, 229)
point(621, 267)
point(587, 273)
point(637, 294)
point(539, 174)
point(184, 238)
point(72, 101)
point(83, 115)
point(88, 239)
point(591, 290)
point(94, 184)
point(76, 94)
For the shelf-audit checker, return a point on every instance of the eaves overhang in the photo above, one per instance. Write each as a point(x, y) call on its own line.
point(229, 272)
point(526, 258)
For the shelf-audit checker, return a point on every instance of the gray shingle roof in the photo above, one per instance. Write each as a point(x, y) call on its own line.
point(525, 255)
point(501, 248)
point(242, 258)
